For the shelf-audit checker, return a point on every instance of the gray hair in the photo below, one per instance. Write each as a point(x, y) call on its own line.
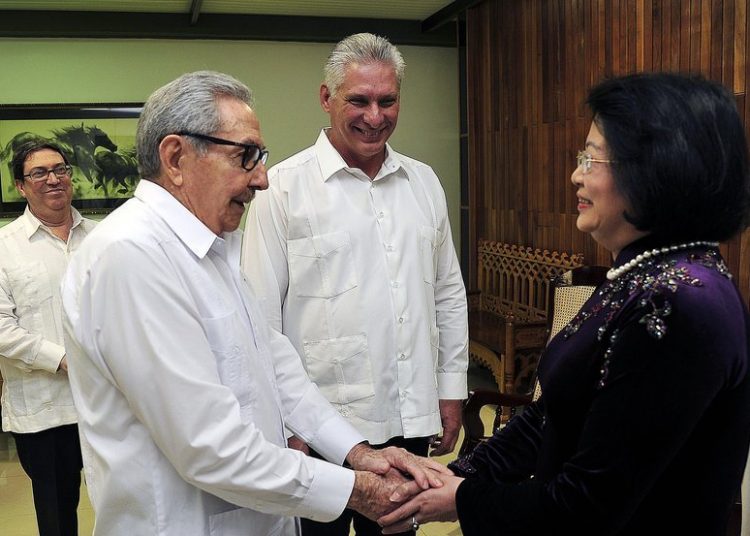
point(189, 103)
point(361, 48)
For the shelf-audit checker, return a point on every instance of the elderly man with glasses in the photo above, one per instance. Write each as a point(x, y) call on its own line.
point(184, 391)
point(37, 401)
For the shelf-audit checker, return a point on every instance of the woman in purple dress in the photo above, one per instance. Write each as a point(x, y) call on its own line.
point(644, 422)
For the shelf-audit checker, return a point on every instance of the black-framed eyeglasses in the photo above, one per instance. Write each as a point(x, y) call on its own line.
point(250, 157)
point(61, 171)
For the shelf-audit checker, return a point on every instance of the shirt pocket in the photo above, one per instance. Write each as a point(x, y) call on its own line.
point(232, 361)
point(429, 238)
point(321, 266)
point(32, 294)
point(341, 368)
point(33, 394)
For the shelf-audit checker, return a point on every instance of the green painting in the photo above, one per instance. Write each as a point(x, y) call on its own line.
point(98, 141)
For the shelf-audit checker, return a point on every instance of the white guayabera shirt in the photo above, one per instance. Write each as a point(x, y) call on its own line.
point(182, 389)
point(363, 278)
point(32, 262)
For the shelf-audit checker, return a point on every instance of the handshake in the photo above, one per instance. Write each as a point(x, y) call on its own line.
point(401, 490)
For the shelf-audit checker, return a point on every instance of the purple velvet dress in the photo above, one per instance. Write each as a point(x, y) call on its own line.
point(644, 422)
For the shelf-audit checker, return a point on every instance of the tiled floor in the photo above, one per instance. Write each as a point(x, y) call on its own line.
point(17, 510)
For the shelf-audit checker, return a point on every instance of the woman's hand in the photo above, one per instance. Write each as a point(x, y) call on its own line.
point(434, 504)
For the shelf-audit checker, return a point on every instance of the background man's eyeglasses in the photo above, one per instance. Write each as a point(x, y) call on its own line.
point(250, 158)
point(584, 161)
point(40, 174)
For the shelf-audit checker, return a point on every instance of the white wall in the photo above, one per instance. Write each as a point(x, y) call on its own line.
point(285, 78)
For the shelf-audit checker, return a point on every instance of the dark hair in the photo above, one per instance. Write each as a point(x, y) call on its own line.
point(680, 154)
point(26, 149)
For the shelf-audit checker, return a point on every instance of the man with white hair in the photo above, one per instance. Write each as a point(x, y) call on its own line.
point(182, 388)
point(350, 252)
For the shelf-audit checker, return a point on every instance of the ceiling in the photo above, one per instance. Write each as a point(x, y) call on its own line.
point(384, 9)
point(403, 21)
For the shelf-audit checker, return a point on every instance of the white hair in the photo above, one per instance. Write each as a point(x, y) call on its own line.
point(189, 103)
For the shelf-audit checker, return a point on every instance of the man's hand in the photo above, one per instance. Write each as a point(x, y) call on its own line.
point(450, 416)
point(437, 504)
point(296, 443)
point(370, 496)
point(425, 472)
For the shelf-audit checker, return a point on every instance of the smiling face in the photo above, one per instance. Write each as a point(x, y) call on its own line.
point(601, 206)
point(214, 186)
point(49, 199)
point(364, 113)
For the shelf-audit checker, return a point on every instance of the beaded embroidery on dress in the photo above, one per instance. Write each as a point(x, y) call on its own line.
point(653, 279)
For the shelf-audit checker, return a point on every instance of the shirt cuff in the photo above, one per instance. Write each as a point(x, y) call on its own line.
point(49, 356)
point(335, 439)
point(329, 492)
point(452, 385)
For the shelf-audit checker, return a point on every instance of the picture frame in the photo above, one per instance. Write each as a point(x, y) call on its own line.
point(98, 140)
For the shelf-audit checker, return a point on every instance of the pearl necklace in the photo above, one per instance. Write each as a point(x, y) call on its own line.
point(614, 273)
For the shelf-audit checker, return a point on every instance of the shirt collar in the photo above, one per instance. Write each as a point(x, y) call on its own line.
point(189, 229)
point(331, 162)
point(31, 224)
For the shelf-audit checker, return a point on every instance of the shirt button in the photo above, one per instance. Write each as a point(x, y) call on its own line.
point(394, 284)
point(389, 247)
point(381, 215)
point(402, 357)
point(400, 319)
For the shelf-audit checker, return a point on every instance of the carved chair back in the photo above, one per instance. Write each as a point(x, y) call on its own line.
point(516, 279)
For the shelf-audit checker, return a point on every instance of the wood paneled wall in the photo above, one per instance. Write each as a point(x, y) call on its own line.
point(529, 66)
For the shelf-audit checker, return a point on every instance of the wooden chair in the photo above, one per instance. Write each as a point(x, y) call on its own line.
point(508, 309)
point(567, 293)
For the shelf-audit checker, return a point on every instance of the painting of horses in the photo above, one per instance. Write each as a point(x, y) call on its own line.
point(98, 141)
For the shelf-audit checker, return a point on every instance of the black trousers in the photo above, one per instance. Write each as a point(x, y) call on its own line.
point(362, 525)
point(52, 459)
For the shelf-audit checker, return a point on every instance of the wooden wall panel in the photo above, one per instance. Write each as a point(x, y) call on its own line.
point(530, 64)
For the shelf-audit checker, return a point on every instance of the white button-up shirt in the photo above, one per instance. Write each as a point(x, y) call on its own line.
point(363, 278)
point(35, 396)
point(182, 389)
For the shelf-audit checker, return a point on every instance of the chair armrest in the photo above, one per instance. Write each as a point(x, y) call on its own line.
point(472, 422)
point(525, 335)
point(484, 397)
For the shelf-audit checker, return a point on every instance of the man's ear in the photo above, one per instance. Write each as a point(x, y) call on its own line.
point(172, 151)
point(19, 187)
point(325, 98)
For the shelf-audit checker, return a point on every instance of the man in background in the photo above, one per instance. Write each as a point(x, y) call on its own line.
point(350, 251)
point(182, 388)
point(37, 405)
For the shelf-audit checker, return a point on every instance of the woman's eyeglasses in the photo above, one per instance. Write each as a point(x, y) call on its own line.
point(584, 161)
